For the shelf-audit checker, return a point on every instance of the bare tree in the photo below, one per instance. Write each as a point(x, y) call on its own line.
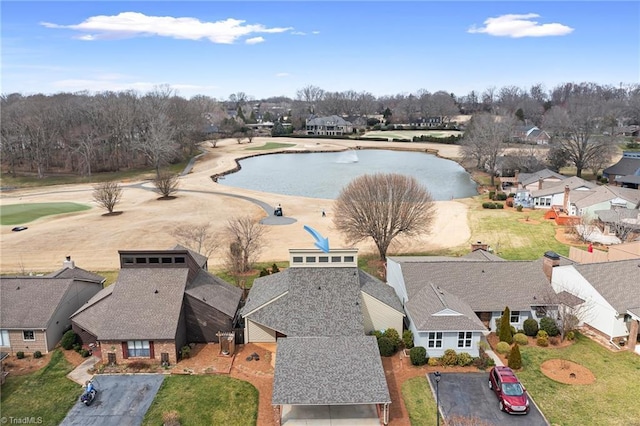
point(382, 207)
point(166, 184)
point(157, 142)
point(245, 237)
point(199, 238)
point(107, 195)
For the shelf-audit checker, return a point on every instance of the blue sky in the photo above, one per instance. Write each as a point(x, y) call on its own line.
point(270, 48)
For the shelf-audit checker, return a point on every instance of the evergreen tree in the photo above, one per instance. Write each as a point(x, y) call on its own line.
point(504, 332)
point(515, 359)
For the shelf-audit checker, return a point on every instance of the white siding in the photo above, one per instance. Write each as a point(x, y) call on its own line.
point(396, 280)
point(259, 333)
point(379, 316)
point(449, 341)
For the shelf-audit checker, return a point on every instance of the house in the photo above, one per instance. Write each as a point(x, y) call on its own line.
point(35, 310)
point(626, 171)
point(610, 294)
point(451, 303)
point(622, 222)
point(560, 194)
point(320, 311)
point(161, 301)
point(531, 134)
point(604, 197)
point(539, 179)
point(329, 126)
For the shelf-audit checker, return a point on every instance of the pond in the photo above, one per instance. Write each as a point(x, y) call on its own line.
point(324, 174)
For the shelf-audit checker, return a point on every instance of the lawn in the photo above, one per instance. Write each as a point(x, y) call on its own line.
point(205, 400)
point(409, 134)
point(250, 277)
point(419, 401)
point(510, 235)
point(270, 145)
point(46, 394)
point(16, 214)
point(611, 400)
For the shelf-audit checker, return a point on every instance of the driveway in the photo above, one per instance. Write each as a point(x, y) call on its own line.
point(468, 395)
point(122, 400)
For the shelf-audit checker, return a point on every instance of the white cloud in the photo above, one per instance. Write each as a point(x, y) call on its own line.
point(134, 24)
point(113, 82)
point(254, 40)
point(517, 26)
point(315, 32)
point(298, 33)
point(283, 74)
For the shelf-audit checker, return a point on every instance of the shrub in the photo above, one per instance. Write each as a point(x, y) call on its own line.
point(377, 333)
point(554, 341)
point(515, 359)
point(137, 365)
point(503, 348)
point(549, 325)
point(464, 359)
point(385, 345)
point(37, 354)
point(492, 195)
point(77, 347)
point(543, 341)
point(499, 206)
point(433, 362)
point(407, 339)
point(487, 205)
point(274, 269)
point(542, 333)
point(185, 352)
point(519, 208)
point(84, 353)
point(68, 340)
point(504, 330)
point(501, 196)
point(449, 358)
point(571, 335)
point(20, 355)
point(530, 327)
point(418, 355)
point(392, 334)
point(509, 202)
point(521, 339)
point(513, 330)
point(264, 272)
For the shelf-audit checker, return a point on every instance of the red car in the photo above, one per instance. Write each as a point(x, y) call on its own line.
point(512, 396)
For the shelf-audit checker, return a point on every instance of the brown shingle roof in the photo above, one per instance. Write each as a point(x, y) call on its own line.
point(618, 282)
point(30, 302)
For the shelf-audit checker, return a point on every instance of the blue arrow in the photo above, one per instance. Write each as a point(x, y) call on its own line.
point(321, 242)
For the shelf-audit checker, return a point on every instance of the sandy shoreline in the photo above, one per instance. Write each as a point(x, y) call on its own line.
point(93, 240)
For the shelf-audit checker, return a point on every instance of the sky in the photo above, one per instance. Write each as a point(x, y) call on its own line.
point(269, 48)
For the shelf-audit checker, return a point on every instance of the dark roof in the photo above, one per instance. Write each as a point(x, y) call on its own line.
point(91, 319)
point(573, 183)
point(315, 301)
point(633, 179)
point(329, 371)
point(77, 273)
point(569, 299)
point(626, 166)
point(30, 302)
point(200, 259)
point(216, 293)
point(618, 282)
point(483, 255)
point(629, 216)
point(323, 121)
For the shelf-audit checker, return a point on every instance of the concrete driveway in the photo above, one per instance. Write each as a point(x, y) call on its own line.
point(122, 400)
point(468, 395)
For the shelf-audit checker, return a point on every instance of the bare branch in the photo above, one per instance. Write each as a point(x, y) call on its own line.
point(107, 195)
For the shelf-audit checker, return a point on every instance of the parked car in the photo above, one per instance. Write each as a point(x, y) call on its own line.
point(19, 228)
point(512, 396)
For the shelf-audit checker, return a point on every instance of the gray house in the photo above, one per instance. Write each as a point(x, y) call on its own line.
point(35, 310)
point(162, 300)
point(330, 126)
point(319, 311)
point(451, 303)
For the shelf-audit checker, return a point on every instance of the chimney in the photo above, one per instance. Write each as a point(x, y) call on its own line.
point(565, 202)
point(68, 263)
point(550, 261)
point(540, 180)
point(517, 178)
point(479, 246)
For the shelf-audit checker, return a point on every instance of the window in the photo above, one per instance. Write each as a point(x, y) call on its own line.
point(138, 348)
point(336, 259)
point(127, 260)
point(166, 260)
point(4, 338)
point(435, 339)
point(297, 259)
point(464, 339)
point(311, 259)
point(323, 259)
point(180, 260)
point(141, 260)
point(28, 335)
point(348, 259)
point(154, 260)
point(541, 311)
point(515, 316)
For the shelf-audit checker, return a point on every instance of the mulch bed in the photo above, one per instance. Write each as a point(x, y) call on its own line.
point(567, 372)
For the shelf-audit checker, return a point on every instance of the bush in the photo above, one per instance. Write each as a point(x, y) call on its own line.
point(68, 340)
point(264, 272)
point(530, 327)
point(521, 339)
point(449, 358)
point(77, 347)
point(492, 195)
point(377, 333)
point(571, 335)
point(542, 333)
point(554, 341)
point(20, 355)
point(503, 348)
point(84, 353)
point(543, 341)
point(519, 208)
point(500, 196)
point(137, 366)
point(418, 355)
point(549, 325)
point(392, 334)
point(499, 206)
point(385, 345)
point(171, 418)
point(504, 330)
point(37, 354)
point(407, 339)
point(433, 362)
point(515, 359)
point(464, 359)
point(185, 352)
point(274, 269)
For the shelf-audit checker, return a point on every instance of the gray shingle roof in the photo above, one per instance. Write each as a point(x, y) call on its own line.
point(626, 166)
point(618, 282)
point(200, 259)
point(77, 273)
point(30, 302)
point(323, 121)
point(483, 255)
point(635, 311)
point(380, 291)
point(329, 371)
point(216, 293)
point(529, 178)
point(558, 187)
point(604, 193)
point(629, 216)
point(264, 290)
point(569, 299)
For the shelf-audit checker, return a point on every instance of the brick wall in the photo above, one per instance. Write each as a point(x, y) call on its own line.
point(159, 346)
point(19, 344)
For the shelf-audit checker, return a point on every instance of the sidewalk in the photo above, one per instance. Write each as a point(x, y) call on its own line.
point(80, 374)
point(495, 357)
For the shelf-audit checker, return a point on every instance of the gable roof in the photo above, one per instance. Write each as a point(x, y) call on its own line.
point(331, 119)
point(618, 282)
point(200, 259)
point(483, 255)
point(604, 193)
point(30, 302)
point(78, 274)
point(529, 178)
point(629, 216)
point(215, 292)
point(90, 319)
point(573, 183)
point(329, 371)
point(626, 166)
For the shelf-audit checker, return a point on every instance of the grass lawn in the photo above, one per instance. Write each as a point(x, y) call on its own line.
point(270, 145)
point(45, 394)
point(249, 278)
point(419, 401)
point(611, 400)
point(510, 235)
point(16, 214)
point(205, 400)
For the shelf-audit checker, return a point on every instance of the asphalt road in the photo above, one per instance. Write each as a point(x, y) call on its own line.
point(468, 395)
point(122, 400)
